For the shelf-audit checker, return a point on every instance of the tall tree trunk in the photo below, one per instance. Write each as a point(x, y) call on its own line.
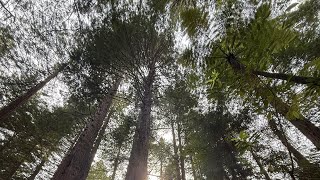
point(309, 169)
point(19, 101)
point(262, 170)
point(97, 142)
point(37, 170)
point(183, 172)
point(73, 164)
point(311, 131)
point(161, 170)
point(138, 161)
point(116, 164)
point(175, 151)
point(290, 78)
point(194, 173)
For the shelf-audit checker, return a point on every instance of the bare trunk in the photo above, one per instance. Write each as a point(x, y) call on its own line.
point(311, 131)
point(175, 151)
point(37, 170)
point(262, 170)
point(161, 173)
point(138, 161)
point(73, 164)
point(97, 142)
point(116, 164)
point(194, 173)
point(183, 172)
point(19, 101)
point(290, 78)
point(309, 169)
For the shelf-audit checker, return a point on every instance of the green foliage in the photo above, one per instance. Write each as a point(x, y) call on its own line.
point(194, 20)
point(98, 172)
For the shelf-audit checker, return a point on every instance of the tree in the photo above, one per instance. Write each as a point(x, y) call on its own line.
point(72, 165)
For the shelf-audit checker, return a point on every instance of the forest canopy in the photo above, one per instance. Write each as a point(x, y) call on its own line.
point(159, 89)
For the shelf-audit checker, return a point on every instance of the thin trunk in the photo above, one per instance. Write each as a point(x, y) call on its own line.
point(97, 142)
point(73, 164)
point(183, 172)
point(19, 101)
point(116, 164)
point(290, 78)
point(37, 170)
point(311, 131)
point(161, 173)
point(138, 161)
point(310, 169)
point(262, 170)
point(194, 173)
point(175, 151)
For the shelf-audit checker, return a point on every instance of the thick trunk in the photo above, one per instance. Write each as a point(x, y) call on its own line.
point(183, 172)
point(116, 164)
point(37, 170)
point(175, 151)
point(72, 166)
point(311, 131)
point(138, 161)
point(309, 169)
point(262, 170)
point(290, 78)
point(194, 173)
point(19, 101)
point(97, 143)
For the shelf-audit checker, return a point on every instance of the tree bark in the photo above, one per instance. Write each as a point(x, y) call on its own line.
point(310, 169)
point(37, 170)
point(290, 78)
point(73, 164)
point(175, 151)
point(138, 161)
point(19, 101)
point(183, 172)
point(194, 173)
point(97, 142)
point(311, 131)
point(116, 164)
point(262, 170)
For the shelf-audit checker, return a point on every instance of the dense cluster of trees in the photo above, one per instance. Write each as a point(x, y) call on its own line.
point(159, 89)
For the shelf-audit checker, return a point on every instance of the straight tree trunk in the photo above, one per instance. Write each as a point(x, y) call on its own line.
point(175, 151)
point(290, 78)
point(161, 173)
point(194, 173)
point(73, 164)
point(183, 172)
point(138, 161)
point(262, 170)
point(19, 101)
point(37, 170)
point(309, 169)
point(97, 142)
point(311, 131)
point(116, 164)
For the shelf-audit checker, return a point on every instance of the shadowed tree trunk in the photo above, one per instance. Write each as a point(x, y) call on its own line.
point(138, 161)
point(73, 164)
point(311, 131)
point(19, 101)
point(262, 170)
point(175, 151)
point(37, 170)
point(116, 164)
point(183, 172)
point(290, 78)
point(97, 142)
point(194, 173)
point(309, 169)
